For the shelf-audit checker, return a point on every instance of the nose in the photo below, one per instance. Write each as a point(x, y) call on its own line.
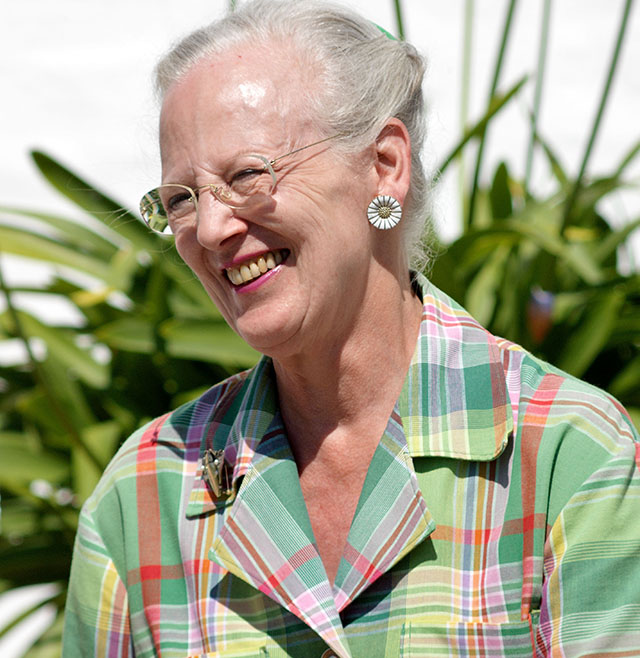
point(216, 222)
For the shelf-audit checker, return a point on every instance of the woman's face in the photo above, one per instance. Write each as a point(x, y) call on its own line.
point(315, 221)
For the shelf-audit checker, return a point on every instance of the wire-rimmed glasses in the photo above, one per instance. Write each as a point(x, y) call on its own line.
point(170, 204)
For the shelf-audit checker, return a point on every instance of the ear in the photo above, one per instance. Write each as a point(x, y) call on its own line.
point(393, 160)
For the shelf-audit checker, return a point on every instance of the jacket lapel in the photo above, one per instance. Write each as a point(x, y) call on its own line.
point(265, 536)
point(268, 542)
point(390, 520)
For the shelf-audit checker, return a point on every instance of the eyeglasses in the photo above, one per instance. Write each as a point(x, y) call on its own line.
point(252, 183)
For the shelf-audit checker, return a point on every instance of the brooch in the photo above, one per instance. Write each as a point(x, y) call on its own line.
point(215, 472)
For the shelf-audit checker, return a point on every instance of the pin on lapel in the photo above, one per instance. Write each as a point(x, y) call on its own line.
point(216, 472)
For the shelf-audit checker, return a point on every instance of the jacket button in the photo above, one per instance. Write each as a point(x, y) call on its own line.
point(329, 653)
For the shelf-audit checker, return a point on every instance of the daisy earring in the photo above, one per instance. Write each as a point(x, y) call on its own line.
point(384, 212)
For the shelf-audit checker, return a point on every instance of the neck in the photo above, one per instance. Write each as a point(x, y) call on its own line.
point(348, 386)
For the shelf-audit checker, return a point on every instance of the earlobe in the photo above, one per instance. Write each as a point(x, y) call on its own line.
point(393, 160)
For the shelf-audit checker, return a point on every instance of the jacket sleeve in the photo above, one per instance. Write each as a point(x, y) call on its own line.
point(97, 609)
point(591, 587)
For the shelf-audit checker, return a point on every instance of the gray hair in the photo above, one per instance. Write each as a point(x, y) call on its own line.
point(366, 78)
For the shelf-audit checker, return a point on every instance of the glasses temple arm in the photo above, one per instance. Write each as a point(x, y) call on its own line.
point(302, 148)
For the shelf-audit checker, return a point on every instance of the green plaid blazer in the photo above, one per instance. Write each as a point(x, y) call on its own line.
point(500, 517)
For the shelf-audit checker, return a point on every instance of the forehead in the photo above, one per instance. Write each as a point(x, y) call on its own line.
point(243, 90)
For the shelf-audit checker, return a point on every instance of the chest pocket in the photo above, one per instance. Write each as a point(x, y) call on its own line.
point(512, 639)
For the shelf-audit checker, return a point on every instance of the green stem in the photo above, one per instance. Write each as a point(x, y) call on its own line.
point(537, 98)
point(43, 382)
point(399, 20)
point(596, 124)
point(466, 86)
point(494, 84)
point(497, 103)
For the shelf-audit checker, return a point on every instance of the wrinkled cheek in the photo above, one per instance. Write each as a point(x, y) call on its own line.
point(216, 297)
point(186, 246)
point(192, 254)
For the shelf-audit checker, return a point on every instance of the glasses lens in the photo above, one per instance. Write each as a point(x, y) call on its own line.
point(165, 205)
point(252, 182)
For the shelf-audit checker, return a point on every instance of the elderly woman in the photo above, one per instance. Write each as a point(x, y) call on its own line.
point(390, 479)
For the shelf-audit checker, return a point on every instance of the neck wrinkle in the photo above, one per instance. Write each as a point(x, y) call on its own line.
point(345, 386)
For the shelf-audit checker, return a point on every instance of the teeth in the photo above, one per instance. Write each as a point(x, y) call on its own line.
point(252, 269)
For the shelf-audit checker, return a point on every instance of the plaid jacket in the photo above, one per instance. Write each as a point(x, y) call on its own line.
point(500, 517)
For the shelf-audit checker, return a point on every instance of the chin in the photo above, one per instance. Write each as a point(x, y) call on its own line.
point(268, 333)
point(269, 345)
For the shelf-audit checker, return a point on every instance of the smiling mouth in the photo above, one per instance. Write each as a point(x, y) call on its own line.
point(256, 267)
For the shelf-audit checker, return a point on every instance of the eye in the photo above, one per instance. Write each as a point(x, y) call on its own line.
point(249, 180)
point(248, 173)
point(180, 201)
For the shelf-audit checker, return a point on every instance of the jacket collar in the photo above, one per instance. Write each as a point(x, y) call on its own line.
point(454, 402)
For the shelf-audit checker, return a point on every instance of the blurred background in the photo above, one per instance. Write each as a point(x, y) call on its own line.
point(533, 139)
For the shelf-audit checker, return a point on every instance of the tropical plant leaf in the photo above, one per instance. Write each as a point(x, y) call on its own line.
point(615, 239)
point(628, 380)
point(575, 256)
point(49, 596)
point(48, 644)
point(97, 204)
point(69, 232)
point(482, 294)
point(103, 439)
point(554, 162)
point(589, 195)
point(64, 348)
point(187, 282)
point(134, 334)
point(592, 334)
point(627, 160)
point(20, 463)
point(24, 243)
point(500, 194)
point(495, 105)
point(208, 341)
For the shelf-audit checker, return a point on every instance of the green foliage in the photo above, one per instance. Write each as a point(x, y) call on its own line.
point(148, 338)
point(544, 271)
point(551, 285)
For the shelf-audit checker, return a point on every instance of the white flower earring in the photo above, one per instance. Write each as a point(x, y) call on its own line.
point(384, 212)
